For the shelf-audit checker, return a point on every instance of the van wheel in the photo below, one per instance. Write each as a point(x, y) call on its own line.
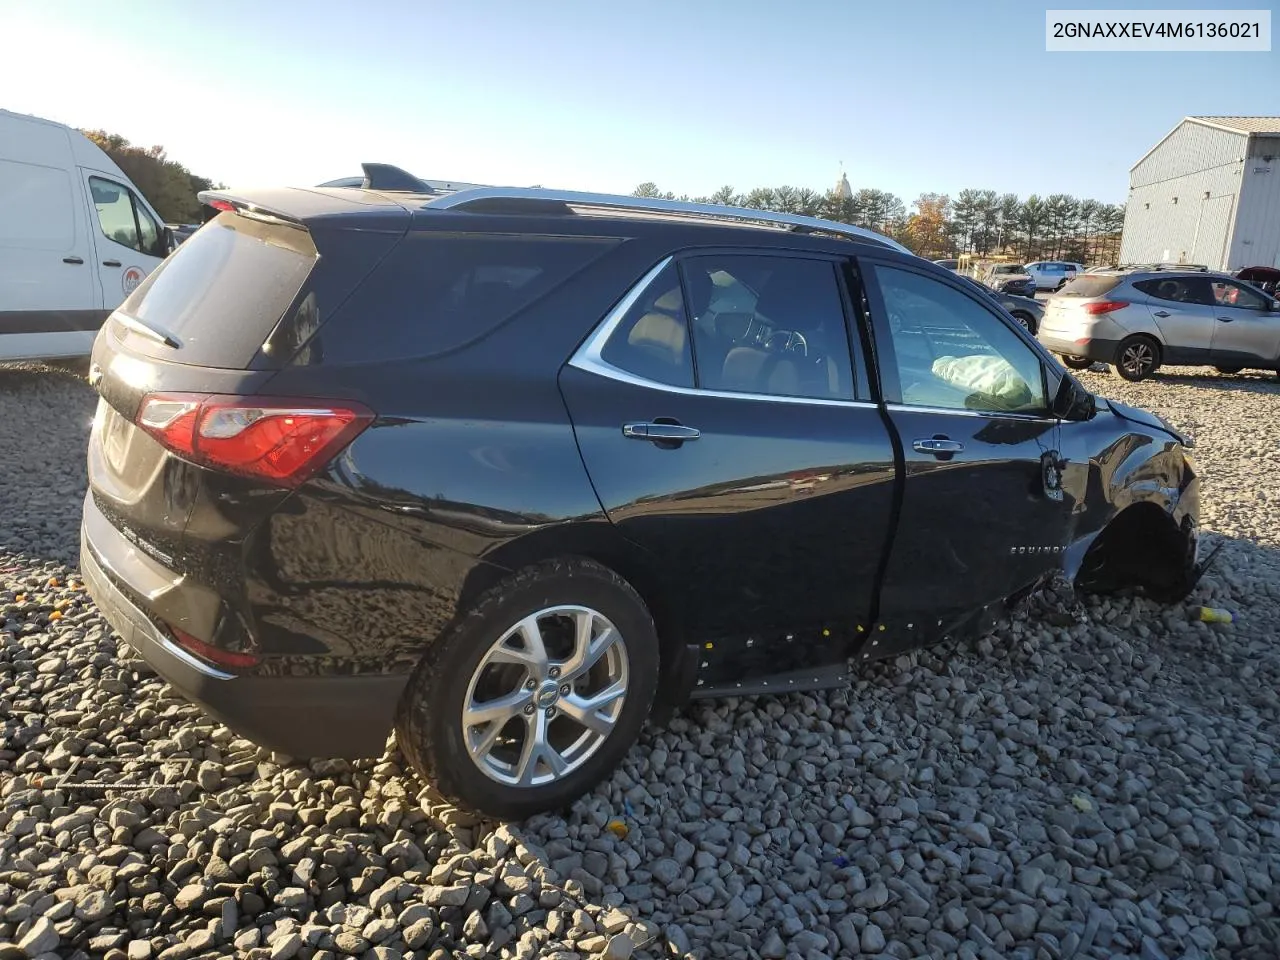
point(1228, 369)
point(536, 694)
point(1076, 363)
point(1137, 357)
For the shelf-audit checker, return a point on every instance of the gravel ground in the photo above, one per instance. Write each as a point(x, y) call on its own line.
point(1094, 779)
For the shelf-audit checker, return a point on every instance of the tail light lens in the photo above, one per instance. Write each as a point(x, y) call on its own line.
point(279, 441)
point(229, 659)
point(1099, 307)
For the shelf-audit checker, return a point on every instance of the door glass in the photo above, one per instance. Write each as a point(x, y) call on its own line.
point(652, 340)
point(1227, 294)
point(114, 204)
point(1177, 289)
point(771, 326)
point(953, 353)
point(152, 236)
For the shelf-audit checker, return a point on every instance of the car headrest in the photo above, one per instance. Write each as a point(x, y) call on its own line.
point(659, 331)
point(670, 302)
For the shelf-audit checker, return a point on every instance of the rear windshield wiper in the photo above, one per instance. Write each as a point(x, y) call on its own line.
point(150, 332)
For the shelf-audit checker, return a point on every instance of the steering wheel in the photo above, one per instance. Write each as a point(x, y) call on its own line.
point(795, 342)
point(896, 323)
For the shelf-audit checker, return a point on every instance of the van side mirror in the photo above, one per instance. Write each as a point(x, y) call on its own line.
point(170, 241)
point(1073, 401)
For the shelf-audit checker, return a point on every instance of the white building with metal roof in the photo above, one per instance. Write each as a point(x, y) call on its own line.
point(1209, 193)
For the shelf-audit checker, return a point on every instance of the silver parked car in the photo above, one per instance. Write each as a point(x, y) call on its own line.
point(1140, 319)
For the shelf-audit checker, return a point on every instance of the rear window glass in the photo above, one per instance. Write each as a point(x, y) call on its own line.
point(436, 292)
point(221, 293)
point(1089, 285)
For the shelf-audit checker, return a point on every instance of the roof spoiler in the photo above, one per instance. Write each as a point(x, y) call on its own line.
point(384, 176)
point(216, 201)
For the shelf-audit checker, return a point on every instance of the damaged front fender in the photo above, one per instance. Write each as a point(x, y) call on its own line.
point(1134, 492)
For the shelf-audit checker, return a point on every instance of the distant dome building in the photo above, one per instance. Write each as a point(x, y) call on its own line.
point(843, 190)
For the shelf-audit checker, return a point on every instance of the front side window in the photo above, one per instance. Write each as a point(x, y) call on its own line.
point(953, 353)
point(124, 219)
point(652, 340)
point(1178, 289)
point(768, 325)
point(1228, 294)
point(115, 212)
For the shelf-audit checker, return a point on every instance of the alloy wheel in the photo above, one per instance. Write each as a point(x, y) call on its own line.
point(1138, 359)
point(546, 696)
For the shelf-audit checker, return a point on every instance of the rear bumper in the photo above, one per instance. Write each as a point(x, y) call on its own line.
point(1100, 350)
point(304, 717)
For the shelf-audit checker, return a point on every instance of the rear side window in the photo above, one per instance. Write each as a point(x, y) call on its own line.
point(1178, 289)
point(222, 291)
point(652, 340)
point(439, 291)
point(1090, 285)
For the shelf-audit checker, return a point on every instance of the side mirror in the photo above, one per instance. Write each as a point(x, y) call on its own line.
point(1073, 401)
point(170, 242)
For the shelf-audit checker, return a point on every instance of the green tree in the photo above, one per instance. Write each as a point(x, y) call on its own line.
point(169, 186)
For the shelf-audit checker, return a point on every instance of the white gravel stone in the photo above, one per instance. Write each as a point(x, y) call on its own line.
point(1097, 776)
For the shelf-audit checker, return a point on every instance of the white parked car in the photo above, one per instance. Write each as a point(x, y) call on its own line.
point(76, 238)
point(1053, 274)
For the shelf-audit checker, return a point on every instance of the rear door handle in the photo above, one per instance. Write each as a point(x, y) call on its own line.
point(938, 446)
point(1162, 314)
point(111, 263)
point(677, 432)
point(1226, 319)
point(72, 260)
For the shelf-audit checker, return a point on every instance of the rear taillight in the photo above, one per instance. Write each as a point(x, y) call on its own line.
point(211, 654)
point(222, 204)
point(279, 441)
point(1104, 306)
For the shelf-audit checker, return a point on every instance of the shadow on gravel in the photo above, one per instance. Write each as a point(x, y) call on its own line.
point(1234, 383)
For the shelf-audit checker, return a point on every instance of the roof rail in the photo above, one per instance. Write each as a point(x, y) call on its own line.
point(484, 196)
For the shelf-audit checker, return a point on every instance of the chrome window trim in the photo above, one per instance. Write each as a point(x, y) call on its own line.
point(701, 211)
point(589, 357)
point(1002, 414)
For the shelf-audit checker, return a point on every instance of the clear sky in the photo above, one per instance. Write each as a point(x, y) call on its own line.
point(603, 95)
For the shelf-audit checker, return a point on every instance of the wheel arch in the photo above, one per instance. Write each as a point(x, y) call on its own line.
point(599, 541)
point(1142, 545)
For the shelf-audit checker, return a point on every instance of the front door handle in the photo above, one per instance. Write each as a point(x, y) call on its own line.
point(1226, 319)
point(659, 432)
point(938, 446)
point(111, 263)
point(1162, 314)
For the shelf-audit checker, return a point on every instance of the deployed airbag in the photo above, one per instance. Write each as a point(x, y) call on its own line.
point(990, 381)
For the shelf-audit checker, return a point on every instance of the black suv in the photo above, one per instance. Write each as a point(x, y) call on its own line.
point(507, 470)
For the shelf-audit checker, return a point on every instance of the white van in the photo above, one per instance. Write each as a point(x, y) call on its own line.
point(75, 238)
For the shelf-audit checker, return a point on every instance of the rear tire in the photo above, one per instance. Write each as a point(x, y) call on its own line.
point(1137, 357)
point(1075, 363)
point(536, 737)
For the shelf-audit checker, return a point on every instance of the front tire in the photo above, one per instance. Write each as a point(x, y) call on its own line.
point(536, 694)
point(1228, 370)
point(1137, 358)
point(1076, 363)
